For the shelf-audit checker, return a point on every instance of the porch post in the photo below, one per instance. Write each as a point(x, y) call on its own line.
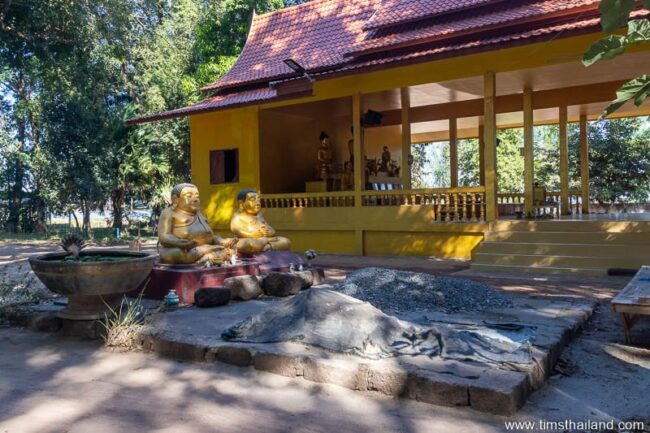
point(584, 163)
point(405, 170)
point(490, 153)
point(359, 173)
point(453, 152)
point(564, 162)
point(481, 153)
point(529, 165)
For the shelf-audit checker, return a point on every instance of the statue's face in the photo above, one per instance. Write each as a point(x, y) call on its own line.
point(189, 200)
point(252, 204)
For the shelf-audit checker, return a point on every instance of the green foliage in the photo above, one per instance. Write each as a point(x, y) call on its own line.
point(636, 90)
point(468, 163)
point(510, 163)
point(420, 167)
point(619, 160)
point(430, 167)
point(616, 14)
point(72, 71)
point(624, 178)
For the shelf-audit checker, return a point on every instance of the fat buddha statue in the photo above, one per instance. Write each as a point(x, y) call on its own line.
point(254, 233)
point(184, 235)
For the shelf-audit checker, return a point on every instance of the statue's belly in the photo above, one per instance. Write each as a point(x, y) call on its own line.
point(195, 232)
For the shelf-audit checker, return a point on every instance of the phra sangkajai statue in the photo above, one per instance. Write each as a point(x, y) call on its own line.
point(254, 233)
point(184, 234)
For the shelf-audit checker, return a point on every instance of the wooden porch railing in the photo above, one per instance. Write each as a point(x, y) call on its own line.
point(447, 204)
point(510, 202)
point(312, 199)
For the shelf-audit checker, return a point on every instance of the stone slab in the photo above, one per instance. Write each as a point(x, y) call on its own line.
point(499, 392)
point(484, 387)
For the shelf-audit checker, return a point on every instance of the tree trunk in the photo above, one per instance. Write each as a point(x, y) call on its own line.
point(76, 221)
point(16, 190)
point(117, 198)
point(85, 206)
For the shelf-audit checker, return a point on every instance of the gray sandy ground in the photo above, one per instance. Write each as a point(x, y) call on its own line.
point(52, 384)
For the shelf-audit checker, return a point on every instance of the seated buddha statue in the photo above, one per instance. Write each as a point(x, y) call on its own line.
point(184, 235)
point(254, 233)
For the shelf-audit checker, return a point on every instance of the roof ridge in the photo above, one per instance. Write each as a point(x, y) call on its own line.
point(384, 42)
point(370, 26)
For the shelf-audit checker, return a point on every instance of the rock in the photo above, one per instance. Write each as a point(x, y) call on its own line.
point(281, 284)
point(47, 323)
point(284, 365)
point(499, 392)
point(307, 278)
point(232, 355)
point(211, 297)
point(318, 276)
point(244, 288)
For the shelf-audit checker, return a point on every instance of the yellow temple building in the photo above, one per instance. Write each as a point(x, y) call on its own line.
point(374, 74)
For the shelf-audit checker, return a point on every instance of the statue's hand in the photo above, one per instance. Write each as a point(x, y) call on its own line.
point(187, 244)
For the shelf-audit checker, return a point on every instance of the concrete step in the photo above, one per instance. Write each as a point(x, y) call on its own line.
point(568, 237)
point(538, 270)
point(573, 226)
point(557, 249)
point(539, 260)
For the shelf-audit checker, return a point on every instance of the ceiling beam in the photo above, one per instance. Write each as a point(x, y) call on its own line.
point(577, 95)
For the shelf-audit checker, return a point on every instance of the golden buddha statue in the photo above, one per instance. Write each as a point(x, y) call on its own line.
point(324, 156)
point(184, 235)
point(254, 233)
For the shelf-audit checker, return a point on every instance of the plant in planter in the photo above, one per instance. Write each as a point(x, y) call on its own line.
point(93, 280)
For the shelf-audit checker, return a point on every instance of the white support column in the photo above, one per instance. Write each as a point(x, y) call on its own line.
point(529, 165)
point(564, 162)
point(405, 169)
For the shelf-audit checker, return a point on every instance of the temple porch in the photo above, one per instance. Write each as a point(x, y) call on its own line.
point(375, 217)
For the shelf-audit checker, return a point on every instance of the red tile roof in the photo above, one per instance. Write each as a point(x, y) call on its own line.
point(315, 34)
point(500, 17)
point(327, 37)
point(398, 12)
point(211, 104)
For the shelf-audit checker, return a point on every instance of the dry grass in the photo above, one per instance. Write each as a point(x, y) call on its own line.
point(123, 326)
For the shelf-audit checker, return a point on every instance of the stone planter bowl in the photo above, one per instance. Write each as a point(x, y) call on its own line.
point(91, 287)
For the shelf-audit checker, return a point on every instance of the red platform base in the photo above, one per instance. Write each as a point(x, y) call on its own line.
point(186, 280)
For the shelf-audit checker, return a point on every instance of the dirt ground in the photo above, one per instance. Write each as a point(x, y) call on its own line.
point(52, 384)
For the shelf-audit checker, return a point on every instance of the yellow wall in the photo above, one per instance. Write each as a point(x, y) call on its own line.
point(289, 145)
point(402, 230)
point(374, 140)
point(224, 130)
point(438, 244)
